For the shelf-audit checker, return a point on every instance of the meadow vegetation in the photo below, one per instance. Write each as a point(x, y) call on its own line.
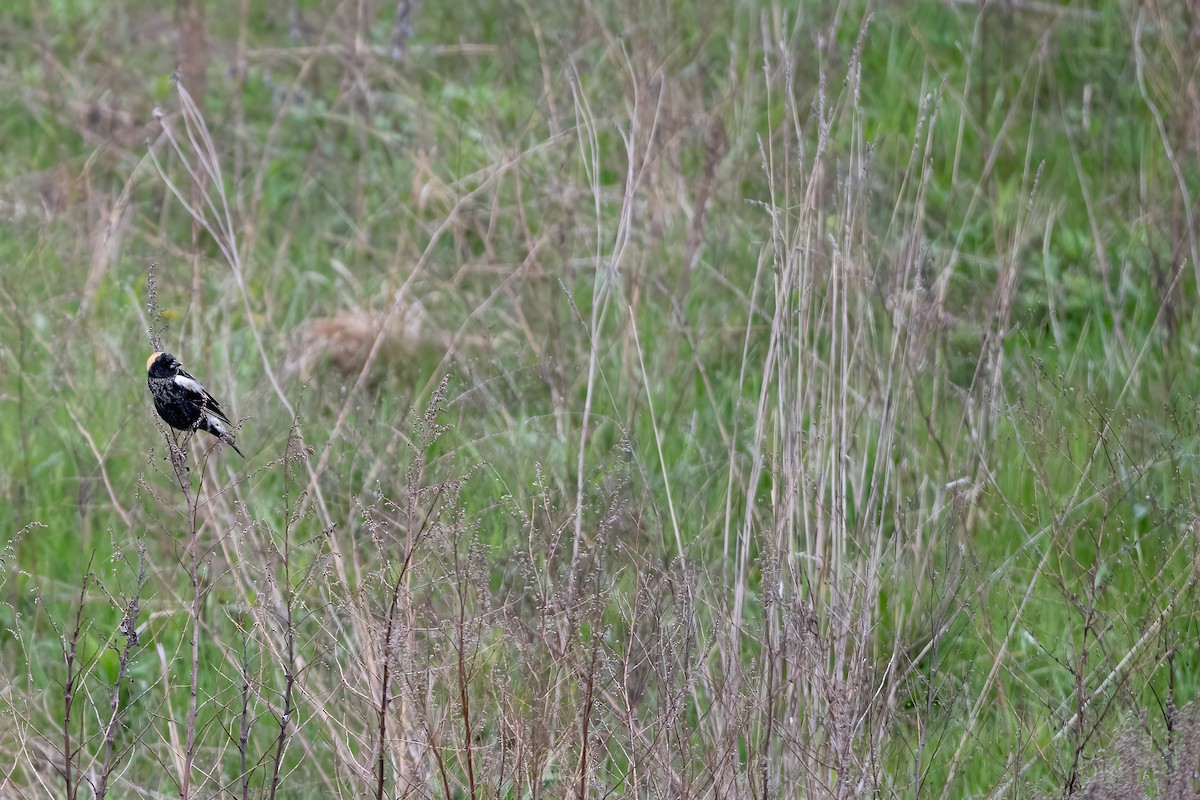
point(678, 399)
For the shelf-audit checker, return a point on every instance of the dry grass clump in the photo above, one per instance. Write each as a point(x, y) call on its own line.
point(399, 343)
point(1146, 760)
point(345, 340)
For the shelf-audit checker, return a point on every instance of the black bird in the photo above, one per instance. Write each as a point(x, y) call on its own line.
point(182, 402)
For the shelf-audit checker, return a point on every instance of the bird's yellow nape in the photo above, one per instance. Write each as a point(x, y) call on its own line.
point(150, 360)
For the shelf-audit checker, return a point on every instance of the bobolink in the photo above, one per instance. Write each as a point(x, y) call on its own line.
point(182, 402)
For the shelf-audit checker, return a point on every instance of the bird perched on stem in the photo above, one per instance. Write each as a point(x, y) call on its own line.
point(182, 402)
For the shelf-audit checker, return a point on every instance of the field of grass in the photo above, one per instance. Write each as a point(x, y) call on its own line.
point(680, 399)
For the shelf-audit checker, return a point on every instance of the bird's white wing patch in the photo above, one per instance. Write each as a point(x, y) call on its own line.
point(189, 383)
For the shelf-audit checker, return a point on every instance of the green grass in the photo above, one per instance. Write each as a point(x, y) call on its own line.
point(819, 419)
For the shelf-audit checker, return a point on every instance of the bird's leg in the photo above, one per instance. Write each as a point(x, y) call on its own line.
point(187, 439)
point(179, 459)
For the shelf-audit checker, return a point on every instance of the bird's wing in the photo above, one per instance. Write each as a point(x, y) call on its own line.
point(199, 395)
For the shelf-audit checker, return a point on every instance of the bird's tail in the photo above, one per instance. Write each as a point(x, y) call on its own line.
point(214, 426)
